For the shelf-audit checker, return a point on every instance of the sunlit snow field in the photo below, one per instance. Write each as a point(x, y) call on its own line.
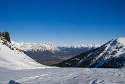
point(63, 76)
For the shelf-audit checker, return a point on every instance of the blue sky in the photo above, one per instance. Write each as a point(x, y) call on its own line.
point(63, 22)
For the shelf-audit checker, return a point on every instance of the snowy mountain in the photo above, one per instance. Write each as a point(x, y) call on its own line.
point(35, 46)
point(48, 46)
point(109, 55)
point(13, 58)
point(48, 54)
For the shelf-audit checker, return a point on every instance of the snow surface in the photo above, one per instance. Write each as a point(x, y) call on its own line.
point(63, 76)
point(16, 59)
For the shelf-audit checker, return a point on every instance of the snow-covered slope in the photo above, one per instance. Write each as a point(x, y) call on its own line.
point(114, 51)
point(109, 55)
point(13, 58)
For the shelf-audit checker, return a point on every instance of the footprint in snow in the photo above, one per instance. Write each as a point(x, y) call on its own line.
point(96, 81)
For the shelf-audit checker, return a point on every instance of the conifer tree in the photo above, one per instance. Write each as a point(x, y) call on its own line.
point(0, 34)
point(3, 34)
point(7, 36)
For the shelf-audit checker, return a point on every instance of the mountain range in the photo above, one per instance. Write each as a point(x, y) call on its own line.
point(48, 54)
point(109, 55)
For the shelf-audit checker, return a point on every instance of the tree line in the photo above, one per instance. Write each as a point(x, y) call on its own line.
point(5, 35)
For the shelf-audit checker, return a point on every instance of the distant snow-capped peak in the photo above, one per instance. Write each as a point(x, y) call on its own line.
point(35, 46)
point(82, 46)
point(121, 40)
point(43, 46)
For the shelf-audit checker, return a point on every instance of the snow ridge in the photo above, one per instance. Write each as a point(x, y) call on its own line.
point(113, 49)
